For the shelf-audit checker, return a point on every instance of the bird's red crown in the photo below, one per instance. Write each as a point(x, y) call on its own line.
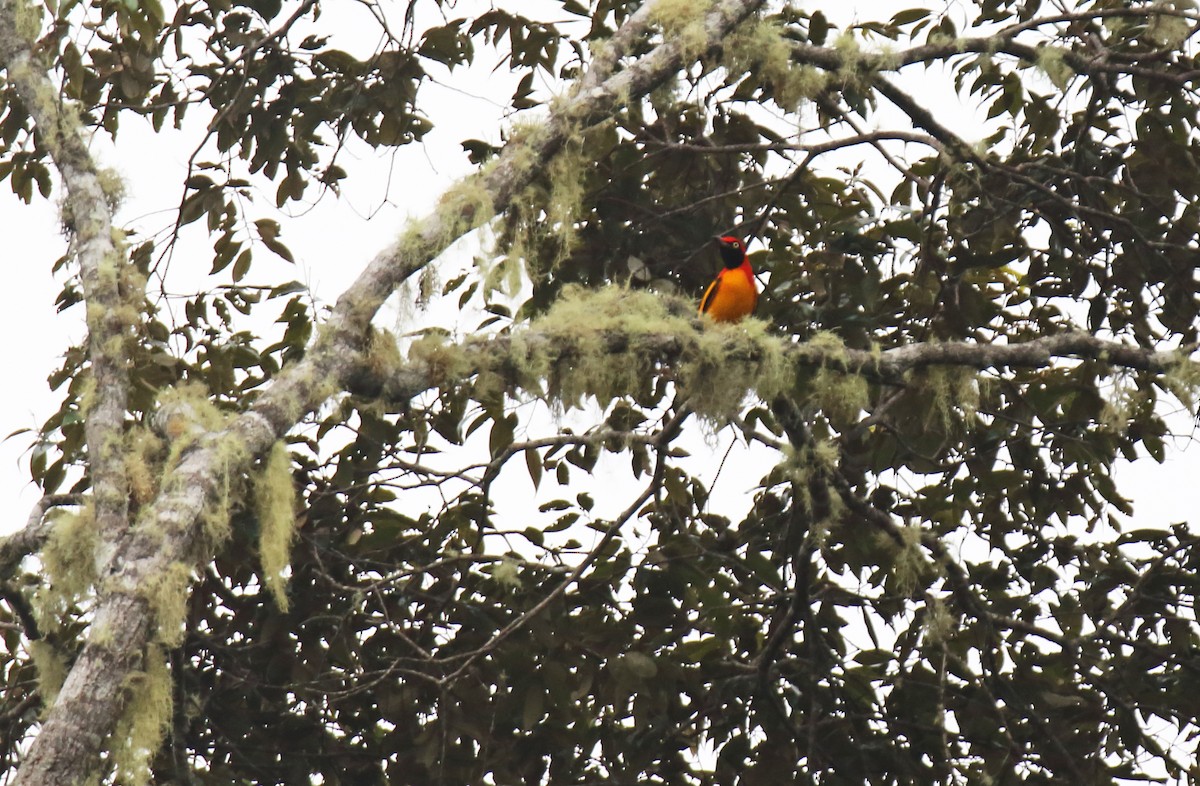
point(733, 253)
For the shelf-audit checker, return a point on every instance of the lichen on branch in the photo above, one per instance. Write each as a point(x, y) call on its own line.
point(275, 500)
point(113, 306)
point(613, 341)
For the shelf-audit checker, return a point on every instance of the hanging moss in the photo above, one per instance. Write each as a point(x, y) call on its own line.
point(51, 667)
point(69, 562)
point(67, 555)
point(1122, 404)
point(682, 21)
point(275, 499)
point(541, 222)
point(167, 594)
point(811, 463)
point(851, 73)
point(579, 327)
point(1182, 379)
point(840, 395)
point(952, 390)
point(733, 361)
point(939, 624)
point(187, 414)
point(1050, 61)
point(764, 45)
point(144, 455)
point(383, 352)
point(909, 565)
point(610, 342)
point(113, 186)
point(428, 284)
point(464, 206)
point(440, 361)
point(507, 574)
point(216, 516)
point(27, 20)
point(145, 721)
point(565, 203)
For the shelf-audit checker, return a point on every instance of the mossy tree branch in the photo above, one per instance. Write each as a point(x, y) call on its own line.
point(29, 539)
point(170, 534)
point(503, 354)
point(1004, 41)
point(103, 267)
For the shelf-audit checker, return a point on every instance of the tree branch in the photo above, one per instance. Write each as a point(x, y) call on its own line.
point(104, 270)
point(813, 148)
point(30, 538)
point(1003, 41)
point(495, 354)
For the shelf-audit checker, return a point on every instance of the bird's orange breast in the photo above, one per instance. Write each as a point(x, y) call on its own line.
point(731, 296)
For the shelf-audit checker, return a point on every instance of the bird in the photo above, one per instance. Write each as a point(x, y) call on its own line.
point(733, 294)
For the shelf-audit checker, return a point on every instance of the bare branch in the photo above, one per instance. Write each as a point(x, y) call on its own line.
point(814, 148)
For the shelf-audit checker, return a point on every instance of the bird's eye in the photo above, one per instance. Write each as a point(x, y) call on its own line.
point(736, 244)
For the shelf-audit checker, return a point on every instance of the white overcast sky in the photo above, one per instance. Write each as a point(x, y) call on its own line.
point(336, 238)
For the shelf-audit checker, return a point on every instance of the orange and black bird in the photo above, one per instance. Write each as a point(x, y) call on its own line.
point(733, 294)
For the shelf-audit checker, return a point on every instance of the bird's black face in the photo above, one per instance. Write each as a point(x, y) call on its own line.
point(733, 251)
